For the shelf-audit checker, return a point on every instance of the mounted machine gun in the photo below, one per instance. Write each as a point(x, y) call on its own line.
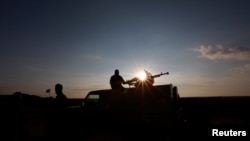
point(149, 80)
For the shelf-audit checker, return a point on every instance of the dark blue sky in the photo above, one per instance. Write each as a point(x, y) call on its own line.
point(204, 44)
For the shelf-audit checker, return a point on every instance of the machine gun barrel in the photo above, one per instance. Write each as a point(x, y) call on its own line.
point(158, 75)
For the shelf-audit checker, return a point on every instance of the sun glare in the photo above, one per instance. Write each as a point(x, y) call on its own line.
point(141, 76)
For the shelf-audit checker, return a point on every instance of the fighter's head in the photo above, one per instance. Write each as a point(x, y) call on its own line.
point(116, 72)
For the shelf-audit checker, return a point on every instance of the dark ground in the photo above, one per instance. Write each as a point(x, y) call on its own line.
point(27, 120)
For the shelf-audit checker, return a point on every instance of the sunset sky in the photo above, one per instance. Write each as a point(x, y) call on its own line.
point(203, 44)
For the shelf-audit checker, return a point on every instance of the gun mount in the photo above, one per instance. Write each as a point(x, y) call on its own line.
point(149, 80)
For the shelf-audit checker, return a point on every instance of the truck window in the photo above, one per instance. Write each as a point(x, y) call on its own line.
point(94, 97)
point(91, 100)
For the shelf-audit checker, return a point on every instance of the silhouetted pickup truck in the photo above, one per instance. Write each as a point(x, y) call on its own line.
point(139, 108)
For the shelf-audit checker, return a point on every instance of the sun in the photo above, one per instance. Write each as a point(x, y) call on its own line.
point(141, 76)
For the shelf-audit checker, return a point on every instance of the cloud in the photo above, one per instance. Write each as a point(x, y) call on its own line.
point(245, 69)
point(220, 52)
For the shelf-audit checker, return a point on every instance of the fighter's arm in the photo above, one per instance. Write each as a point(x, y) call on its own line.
point(123, 81)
